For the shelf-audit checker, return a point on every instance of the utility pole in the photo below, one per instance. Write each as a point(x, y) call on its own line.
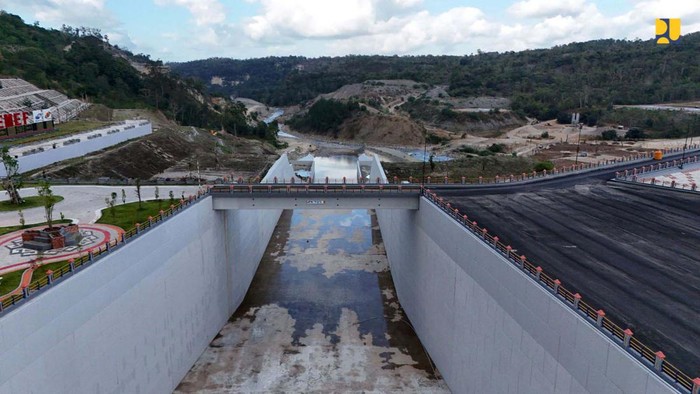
point(685, 145)
point(425, 152)
point(578, 146)
point(199, 178)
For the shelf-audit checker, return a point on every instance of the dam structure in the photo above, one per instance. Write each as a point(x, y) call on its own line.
point(138, 317)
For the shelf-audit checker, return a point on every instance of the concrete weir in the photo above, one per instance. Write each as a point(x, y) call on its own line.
point(137, 320)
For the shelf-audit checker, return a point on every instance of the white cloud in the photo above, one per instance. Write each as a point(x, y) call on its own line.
point(546, 8)
point(88, 13)
point(205, 12)
point(311, 19)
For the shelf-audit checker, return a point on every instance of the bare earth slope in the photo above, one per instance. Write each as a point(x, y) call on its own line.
point(391, 130)
point(171, 150)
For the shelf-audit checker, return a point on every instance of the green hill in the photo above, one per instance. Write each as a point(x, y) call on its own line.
point(81, 63)
point(589, 76)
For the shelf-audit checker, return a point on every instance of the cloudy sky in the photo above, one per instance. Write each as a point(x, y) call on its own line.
point(177, 30)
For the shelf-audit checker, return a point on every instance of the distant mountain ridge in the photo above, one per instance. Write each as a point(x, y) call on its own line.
point(541, 83)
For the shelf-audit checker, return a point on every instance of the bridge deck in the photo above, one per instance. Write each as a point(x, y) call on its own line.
point(630, 250)
point(315, 196)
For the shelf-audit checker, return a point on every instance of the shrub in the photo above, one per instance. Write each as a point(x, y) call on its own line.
point(544, 165)
point(609, 135)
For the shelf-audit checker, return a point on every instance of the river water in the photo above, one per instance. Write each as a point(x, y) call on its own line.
point(321, 315)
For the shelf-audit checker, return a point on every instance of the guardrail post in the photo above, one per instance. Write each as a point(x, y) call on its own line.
point(0, 307)
point(538, 272)
point(628, 337)
point(107, 246)
point(72, 264)
point(522, 261)
point(577, 300)
point(696, 383)
point(25, 291)
point(138, 228)
point(49, 276)
point(557, 284)
point(90, 256)
point(659, 360)
point(464, 180)
point(495, 241)
point(599, 319)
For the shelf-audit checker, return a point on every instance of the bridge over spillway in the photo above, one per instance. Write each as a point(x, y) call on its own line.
point(314, 196)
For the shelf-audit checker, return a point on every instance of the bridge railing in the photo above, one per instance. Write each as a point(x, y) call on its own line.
point(644, 174)
point(74, 265)
point(272, 188)
point(623, 337)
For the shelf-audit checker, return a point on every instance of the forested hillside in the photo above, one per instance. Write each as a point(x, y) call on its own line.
point(584, 75)
point(81, 63)
point(591, 76)
point(280, 81)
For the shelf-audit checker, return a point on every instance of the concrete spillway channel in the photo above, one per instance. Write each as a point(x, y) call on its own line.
point(321, 315)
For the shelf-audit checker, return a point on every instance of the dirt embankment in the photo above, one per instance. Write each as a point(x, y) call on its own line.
point(382, 129)
point(172, 153)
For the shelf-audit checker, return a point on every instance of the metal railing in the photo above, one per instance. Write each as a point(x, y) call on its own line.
point(636, 174)
point(654, 360)
point(93, 256)
point(272, 188)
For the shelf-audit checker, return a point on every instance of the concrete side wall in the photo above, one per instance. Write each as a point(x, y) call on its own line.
point(248, 234)
point(377, 171)
point(488, 326)
point(85, 146)
point(136, 321)
point(281, 169)
point(133, 323)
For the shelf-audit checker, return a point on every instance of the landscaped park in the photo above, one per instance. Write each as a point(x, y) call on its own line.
point(48, 227)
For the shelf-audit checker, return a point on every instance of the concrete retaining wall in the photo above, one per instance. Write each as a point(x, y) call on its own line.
point(488, 327)
point(137, 320)
point(281, 169)
point(85, 146)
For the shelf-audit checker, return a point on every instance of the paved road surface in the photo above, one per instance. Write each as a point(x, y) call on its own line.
point(631, 250)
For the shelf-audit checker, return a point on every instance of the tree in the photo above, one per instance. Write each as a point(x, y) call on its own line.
point(47, 199)
point(635, 134)
point(12, 183)
point(138, 191)
point(609, 135)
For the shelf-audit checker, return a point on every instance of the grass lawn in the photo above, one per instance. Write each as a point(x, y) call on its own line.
point(9, 229)
point(127, 215)
point(29, 202)
point(62, 130)
point(11, 280)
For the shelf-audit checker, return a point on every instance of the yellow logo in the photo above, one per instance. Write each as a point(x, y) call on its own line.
point(668, 30)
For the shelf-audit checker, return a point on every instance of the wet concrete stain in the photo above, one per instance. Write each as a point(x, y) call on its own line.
point(321, 315)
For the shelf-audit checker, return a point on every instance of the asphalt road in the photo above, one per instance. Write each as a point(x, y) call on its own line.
point(631, 250)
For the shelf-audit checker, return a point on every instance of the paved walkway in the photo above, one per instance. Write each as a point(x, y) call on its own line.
point(14, 257)
point(685, 178)
point(83, 203)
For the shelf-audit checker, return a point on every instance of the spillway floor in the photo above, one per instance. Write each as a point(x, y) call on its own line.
point(321, 316)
